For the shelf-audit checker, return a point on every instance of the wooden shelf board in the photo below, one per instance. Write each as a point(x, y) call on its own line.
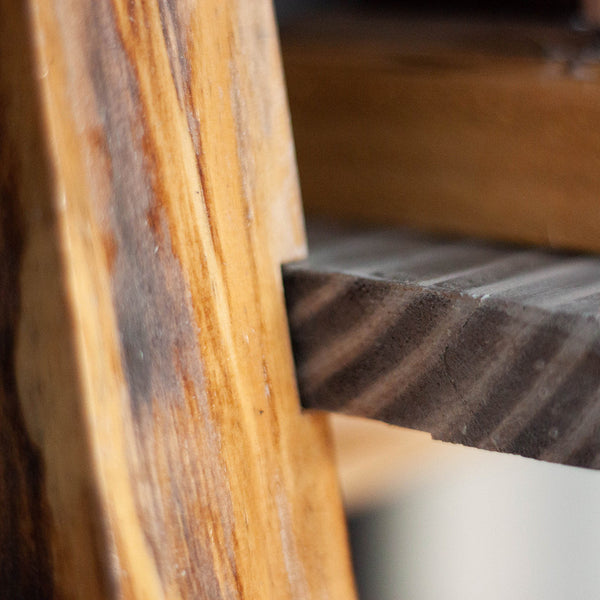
point(490, 346)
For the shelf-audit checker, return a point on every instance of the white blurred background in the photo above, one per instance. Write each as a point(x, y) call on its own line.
point(430, 520)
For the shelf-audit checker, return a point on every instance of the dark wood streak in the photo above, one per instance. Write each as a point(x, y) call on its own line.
point(150, 352)
point(404, 335)
point(580, 390)
point(494, 353)
point(171, 23)
point(181, 71)
point(158, 334)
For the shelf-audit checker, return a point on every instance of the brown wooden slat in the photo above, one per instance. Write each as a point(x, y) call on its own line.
point(479, 344)
point(151, 442)
point(485, 128)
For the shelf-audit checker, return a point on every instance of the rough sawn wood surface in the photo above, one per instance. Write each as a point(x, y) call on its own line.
point(479, 344)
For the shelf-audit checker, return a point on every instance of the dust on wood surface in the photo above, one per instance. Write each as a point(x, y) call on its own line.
point(479, 344)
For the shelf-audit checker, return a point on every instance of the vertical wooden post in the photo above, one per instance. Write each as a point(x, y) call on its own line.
point(151, 444)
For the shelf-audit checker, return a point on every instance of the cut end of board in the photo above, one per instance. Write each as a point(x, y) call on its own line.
point(490, 346)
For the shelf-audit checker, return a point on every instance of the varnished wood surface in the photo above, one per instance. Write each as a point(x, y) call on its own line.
point(479, 344)
point(484, 128)
point(151, 442)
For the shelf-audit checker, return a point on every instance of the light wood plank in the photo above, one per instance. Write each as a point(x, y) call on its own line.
point(485, 128)
point(151, 440)
point(479, 344)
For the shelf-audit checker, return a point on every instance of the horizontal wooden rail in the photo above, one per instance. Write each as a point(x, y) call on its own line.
point(488, 346)
point(484, 128)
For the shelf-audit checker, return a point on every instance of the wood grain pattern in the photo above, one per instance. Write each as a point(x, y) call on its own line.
point(483, 128)
point(478, 344)
point(151, 441)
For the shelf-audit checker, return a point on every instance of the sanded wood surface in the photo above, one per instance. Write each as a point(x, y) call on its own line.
point(486, 128)
point(478, 344)
point(151, 441)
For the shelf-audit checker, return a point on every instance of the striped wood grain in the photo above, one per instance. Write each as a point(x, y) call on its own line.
point(479, 344)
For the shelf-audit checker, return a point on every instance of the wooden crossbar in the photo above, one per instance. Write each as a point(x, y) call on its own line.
point(479, 344)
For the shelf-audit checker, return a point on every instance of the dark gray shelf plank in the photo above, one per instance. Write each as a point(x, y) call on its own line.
point(480, 344)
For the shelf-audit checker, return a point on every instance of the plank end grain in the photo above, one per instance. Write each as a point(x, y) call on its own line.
point(152, 441)
point(478, 344)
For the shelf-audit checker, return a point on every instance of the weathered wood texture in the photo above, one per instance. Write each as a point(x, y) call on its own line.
point(478, 344)
point(151, 442)
point(489, 129)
